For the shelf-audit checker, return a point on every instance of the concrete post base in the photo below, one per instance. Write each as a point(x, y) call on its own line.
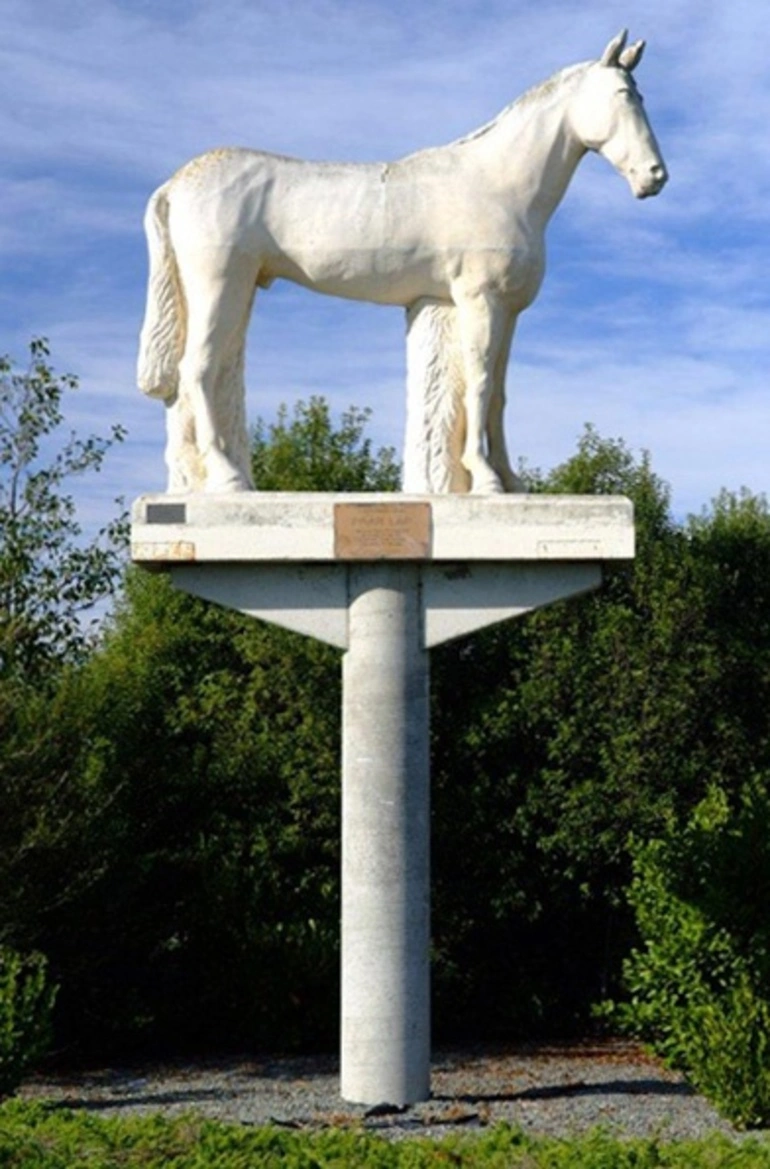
point(383, 578)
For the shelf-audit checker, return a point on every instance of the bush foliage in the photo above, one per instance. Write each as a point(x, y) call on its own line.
point(699, 985)
point(26, 1002)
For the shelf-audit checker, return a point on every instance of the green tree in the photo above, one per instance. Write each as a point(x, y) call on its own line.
point(308, 452)
point(558, 735)
point(48, 575)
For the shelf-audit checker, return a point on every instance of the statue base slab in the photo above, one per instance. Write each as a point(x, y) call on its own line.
point(320, 526)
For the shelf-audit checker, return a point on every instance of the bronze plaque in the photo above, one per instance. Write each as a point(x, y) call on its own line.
point(382, 531)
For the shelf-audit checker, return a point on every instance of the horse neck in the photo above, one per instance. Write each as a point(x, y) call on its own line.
point(534, 151)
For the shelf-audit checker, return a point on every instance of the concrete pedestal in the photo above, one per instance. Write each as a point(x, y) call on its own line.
point(385, 1032)
point(383, 577)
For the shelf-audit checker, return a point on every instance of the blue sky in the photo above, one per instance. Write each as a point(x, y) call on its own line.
point(654, 319)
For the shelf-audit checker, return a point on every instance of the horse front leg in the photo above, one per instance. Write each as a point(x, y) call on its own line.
point(484, 325)
point(497, 447)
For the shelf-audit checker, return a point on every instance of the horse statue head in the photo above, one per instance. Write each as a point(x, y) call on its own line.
point(608, 116)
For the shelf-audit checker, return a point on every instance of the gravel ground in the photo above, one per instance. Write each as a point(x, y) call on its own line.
point(559, 1090)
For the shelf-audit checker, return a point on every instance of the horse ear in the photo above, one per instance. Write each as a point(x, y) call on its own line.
point(631, 56)
point(614, 48)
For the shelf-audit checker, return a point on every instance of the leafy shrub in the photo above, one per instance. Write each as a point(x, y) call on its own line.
point(700, 985)
point(728, 1052)
point(26, 1002)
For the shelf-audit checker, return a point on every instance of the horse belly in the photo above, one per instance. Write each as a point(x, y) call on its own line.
point(360, 273)
point(330, 245)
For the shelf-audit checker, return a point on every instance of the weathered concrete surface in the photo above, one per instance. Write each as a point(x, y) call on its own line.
point(385, 1024)
point(259, 526)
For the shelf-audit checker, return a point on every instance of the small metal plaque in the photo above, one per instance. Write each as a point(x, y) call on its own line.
point(382, 531)
point(166, 513)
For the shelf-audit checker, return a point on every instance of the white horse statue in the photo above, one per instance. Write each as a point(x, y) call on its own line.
point(454, 234)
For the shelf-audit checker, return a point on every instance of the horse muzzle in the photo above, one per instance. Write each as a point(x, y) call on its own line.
point(649, 182)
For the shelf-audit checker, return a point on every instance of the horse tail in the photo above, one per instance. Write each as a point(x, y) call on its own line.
point(435, 388)
point(162, 339)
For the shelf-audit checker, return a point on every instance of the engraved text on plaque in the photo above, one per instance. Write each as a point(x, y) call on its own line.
point(382, 531)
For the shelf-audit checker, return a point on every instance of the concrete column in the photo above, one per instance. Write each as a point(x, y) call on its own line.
point(385, 1017)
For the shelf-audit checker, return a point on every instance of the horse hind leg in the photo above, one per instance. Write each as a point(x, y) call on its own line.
point(185, 469)
point(231, 394)
point(211, 372)
point(435, 385)
point(435, 415)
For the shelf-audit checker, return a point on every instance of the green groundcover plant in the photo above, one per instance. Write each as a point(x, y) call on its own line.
point(40, 1136)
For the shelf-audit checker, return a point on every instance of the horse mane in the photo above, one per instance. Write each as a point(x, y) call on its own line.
point(536, 94)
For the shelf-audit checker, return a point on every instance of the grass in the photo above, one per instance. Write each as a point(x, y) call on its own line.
point(45, 1136)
